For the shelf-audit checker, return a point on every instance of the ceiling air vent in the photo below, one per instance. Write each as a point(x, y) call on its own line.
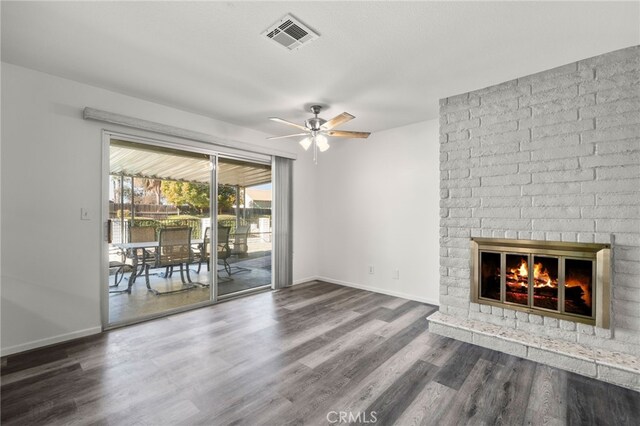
point(290, 33)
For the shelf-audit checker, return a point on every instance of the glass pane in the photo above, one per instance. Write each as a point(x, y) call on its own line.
point(545, 282)
point(517, 279)
point(158, 210)
point(490, 275)
point(244, 225)
point(578, 286)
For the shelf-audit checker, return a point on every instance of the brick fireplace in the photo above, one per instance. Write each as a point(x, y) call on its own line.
point(550, 157)
point(569, 281)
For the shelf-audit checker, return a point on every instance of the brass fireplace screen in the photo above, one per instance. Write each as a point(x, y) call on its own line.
point(557, 279)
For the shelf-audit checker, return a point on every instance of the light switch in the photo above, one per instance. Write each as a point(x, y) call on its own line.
point(84, 214)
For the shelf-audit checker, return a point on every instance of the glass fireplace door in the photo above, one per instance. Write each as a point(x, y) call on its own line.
point(559, 279)
point(578, 288)
point(517, 279)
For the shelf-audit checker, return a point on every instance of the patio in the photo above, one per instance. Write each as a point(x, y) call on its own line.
point(250, 272)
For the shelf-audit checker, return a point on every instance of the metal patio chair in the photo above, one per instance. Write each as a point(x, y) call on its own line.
point(174, 250)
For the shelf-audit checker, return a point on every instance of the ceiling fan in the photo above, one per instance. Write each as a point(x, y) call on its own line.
point(317, 129)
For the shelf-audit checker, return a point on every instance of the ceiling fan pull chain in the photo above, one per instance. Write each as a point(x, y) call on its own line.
point(315, 151)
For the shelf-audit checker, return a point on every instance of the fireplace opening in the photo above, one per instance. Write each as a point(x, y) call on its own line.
point(490, 280)
point(578, 286)
point(551, 278)
point(545, 282)
point(517, 279)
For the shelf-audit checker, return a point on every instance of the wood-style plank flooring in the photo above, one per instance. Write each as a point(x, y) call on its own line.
point(315, 354)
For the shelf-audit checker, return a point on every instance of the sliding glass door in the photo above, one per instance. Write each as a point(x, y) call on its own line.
point(184, 228)
point(244, 214)
point(160, 213)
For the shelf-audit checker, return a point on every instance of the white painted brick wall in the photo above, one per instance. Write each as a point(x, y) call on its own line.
point(550, 156)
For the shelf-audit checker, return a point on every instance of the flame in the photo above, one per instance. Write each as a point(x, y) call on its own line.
point(519, 275)
point(541, 277)
point(523, 272)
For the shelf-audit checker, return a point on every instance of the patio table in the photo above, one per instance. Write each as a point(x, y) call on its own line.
point(130, 248)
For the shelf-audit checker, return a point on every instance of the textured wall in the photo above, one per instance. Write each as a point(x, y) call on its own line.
point(550, 156)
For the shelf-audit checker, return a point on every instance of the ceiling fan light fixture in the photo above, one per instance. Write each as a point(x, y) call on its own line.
point(322, 143)
point(305, 143)
point(318, 129)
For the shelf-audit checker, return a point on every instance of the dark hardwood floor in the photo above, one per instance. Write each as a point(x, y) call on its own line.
point(315, 354)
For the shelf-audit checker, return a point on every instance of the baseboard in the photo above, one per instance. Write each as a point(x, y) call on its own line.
point(379, 290)
point(305, 280)
point(49, 341)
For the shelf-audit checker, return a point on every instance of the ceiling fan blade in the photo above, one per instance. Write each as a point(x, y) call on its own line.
point(348, 134)
point(288, 123)
point(288, 136)
point(337, 120)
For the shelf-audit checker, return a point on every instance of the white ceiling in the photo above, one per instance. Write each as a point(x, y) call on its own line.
point(387, 63)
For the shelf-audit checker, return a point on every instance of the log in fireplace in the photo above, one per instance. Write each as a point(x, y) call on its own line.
point(563, 280)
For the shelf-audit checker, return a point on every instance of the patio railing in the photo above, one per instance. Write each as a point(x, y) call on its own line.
point(120, 229)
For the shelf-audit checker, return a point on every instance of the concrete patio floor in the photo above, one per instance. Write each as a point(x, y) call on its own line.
point(246, 273)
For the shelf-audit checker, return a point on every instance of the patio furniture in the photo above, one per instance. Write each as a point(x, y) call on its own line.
point(224, 251)
point(202, 251)
point(151, 246)
point(174, 249)
point(240, 241)
point(140, 234)
point(240, 247)
point(117, 261)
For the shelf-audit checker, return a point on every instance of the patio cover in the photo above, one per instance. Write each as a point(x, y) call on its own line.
point(144, 161)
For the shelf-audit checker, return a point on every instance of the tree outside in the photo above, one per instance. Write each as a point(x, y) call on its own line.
point(190, 197)
point(226, 198)
point(192, 194)
point(153, 187)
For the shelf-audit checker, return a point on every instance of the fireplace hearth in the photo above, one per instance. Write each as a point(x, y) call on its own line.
point(557, 279)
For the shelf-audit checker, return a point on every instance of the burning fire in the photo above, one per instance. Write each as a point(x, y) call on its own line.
point(535, 280)
point(522, 270)
point(541, 277)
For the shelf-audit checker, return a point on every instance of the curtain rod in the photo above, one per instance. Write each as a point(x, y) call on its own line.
point(152, 126)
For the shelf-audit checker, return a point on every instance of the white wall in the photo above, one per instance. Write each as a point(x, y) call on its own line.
point(378, 204)
point(51, 167)
point(305, 218)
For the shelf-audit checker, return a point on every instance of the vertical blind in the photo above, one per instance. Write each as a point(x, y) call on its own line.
point(283, 222)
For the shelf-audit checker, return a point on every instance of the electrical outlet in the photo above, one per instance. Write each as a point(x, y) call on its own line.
point(395, 274)
point(84, 214)
point(371, 270)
